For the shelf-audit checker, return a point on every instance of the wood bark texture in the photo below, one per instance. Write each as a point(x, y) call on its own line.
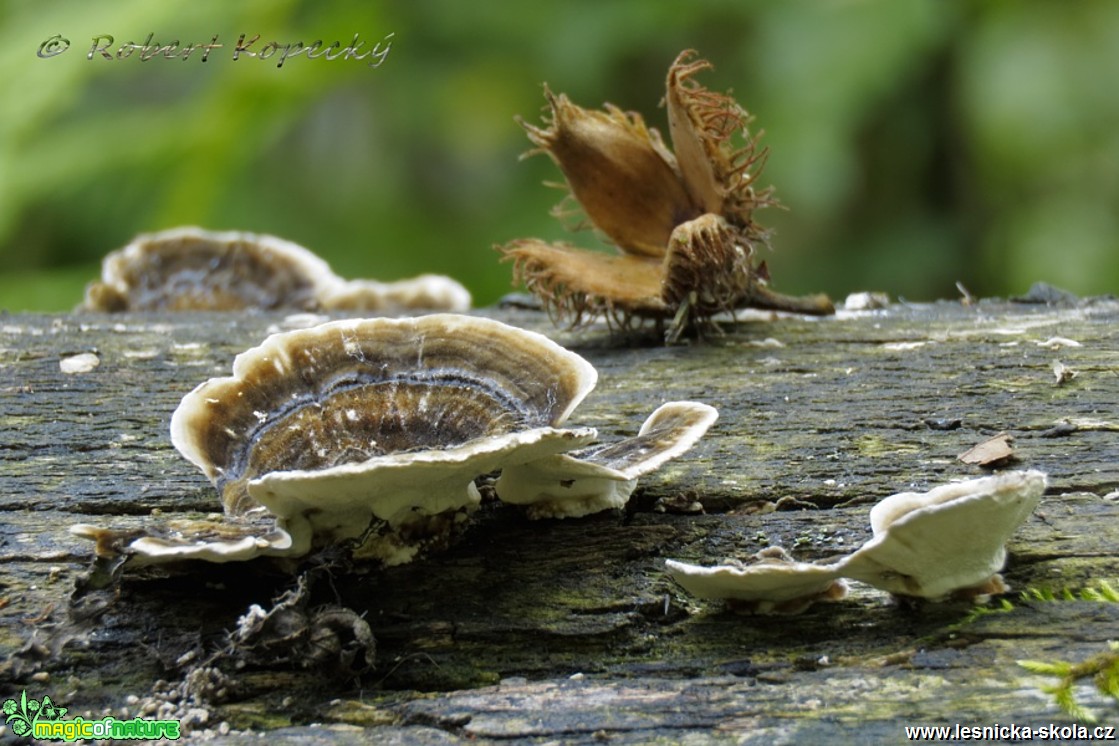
point(569, 630)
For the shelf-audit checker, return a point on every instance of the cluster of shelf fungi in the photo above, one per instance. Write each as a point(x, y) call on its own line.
point(373, 432)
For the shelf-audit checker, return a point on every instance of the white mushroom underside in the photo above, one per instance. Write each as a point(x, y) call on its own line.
point(775, 582)
point(950, 538)
point(340, 502)
point(199, 540)
point(425, 291)
point(275, 543)
point(604, 477)
point(928, 545)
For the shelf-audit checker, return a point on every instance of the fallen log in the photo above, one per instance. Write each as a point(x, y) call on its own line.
point(537, 631)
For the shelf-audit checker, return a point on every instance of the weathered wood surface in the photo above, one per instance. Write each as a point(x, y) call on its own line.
point(569, 631)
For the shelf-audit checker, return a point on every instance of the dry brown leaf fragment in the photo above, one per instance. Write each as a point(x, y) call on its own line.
point(683, 223)
point(991, 452)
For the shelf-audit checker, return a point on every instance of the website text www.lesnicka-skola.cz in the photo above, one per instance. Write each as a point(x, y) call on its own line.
point(1000, 732)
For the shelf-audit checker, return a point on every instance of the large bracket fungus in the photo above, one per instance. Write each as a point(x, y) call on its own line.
point(373, 431)
point(190, 269)
point(683, 223)
point(949, 541)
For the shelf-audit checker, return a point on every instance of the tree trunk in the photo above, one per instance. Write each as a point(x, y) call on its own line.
point(569, 630)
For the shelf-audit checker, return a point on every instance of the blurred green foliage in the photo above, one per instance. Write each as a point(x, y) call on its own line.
point(915, 143)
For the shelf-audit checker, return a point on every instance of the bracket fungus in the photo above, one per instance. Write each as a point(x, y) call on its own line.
point(373, 431)
point(602, 477)
point(190, 269)
point(682, 221)
point(772, 583)
point(949, 541)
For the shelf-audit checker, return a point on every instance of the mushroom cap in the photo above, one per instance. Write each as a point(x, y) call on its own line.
point(772, 583)
point(950, 538)
point(671, 430)
point(190, 268)
point(379, 390)
point(570, 485)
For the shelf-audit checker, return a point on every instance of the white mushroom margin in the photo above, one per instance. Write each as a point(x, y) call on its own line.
point(602, 477)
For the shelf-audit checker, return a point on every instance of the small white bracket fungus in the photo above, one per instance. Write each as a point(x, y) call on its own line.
point(952, 538)
point(772, 584)
point(276, 543)
point(602, 477)
point(949, 540)
point(184, 269)
point(187, 540)
point(426, 291)
point(563, 487)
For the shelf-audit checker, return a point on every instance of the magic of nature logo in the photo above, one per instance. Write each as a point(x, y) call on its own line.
point(43, 719)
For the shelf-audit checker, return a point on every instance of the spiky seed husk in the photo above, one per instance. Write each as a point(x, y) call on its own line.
point(574, 283)
point(684, 222)
point(621, 173)
point(718, 176)
point(707, 265)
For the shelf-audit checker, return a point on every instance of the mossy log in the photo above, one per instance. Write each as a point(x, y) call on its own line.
point(545, 631)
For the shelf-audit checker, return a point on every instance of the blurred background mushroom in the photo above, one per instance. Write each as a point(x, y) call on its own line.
point(916, 143)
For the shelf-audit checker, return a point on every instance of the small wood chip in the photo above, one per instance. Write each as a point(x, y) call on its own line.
point(1063, 373)
point(81, 363)
point(990, 452)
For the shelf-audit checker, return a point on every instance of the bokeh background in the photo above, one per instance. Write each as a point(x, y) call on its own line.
point(915, 143)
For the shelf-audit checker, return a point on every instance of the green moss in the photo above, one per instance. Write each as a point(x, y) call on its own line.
point(875, 446)
point(1102, 669)
point(255, 715)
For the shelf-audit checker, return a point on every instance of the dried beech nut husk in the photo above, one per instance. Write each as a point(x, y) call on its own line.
point(620, 172)
point(683, 222)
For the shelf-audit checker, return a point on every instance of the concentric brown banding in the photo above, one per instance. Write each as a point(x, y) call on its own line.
point(346, 391)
